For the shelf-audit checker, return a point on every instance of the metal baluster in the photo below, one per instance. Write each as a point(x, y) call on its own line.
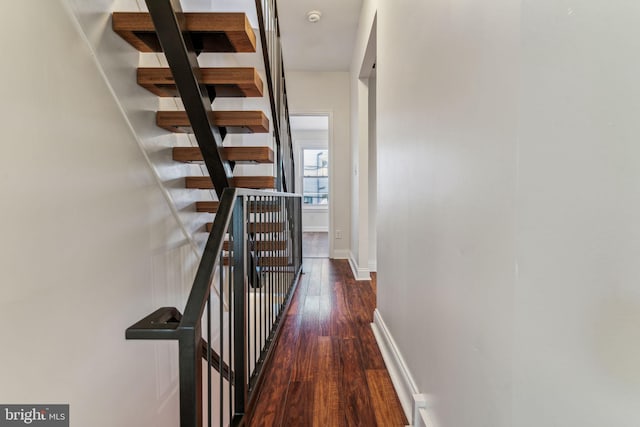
point(239, 305)
point(272, 226)
point(283, 256)
point(221, 328)
point(263, 293)
point(232, 366)
point(256, 274)
point(256, 208)
point(250, 251)
point(276, 261)
point(245, 295)
point(285, 259)
point(209, 344)
point(285, 285)
point(299, 233)
point(271, 274)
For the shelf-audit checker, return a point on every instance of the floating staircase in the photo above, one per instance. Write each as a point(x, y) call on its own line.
point(209, 32)
point(255, 182)
point(235, 154)
point(255, 241)
point(254, 207)
point(262, 227)
point(226, 82)
point(233, 121)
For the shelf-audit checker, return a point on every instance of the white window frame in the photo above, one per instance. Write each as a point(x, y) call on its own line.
point(311, 145)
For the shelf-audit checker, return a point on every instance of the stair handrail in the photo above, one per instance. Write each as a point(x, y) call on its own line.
point(243, 366)
point(269, 28)
point(241, 363)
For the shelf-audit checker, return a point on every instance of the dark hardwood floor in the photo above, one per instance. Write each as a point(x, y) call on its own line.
point(315, 244)
point(327, 369)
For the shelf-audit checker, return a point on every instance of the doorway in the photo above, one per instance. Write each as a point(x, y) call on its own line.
point(310, 134)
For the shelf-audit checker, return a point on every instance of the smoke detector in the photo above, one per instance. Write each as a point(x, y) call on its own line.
point(314, 16)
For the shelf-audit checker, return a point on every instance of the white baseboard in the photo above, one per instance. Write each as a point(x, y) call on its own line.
point(373, 266)
point(413, 403)
point(359, 273)
point(315, 229)
point(340, 254)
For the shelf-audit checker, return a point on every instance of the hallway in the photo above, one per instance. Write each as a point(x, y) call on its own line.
point(315, 244)
point(327, 369)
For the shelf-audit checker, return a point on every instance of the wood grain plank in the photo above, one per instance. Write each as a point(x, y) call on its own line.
point(269, 405)
point(369, 350)
point(353, 388)
point(299, 404)
point(326, 411)
point(210, 32)
point(381, 390)
point(315, 281)
point(234, 121)
point(325, 316)
point(297, 302)
point(204, 182)
point(263, 227)
point(235, 154)
point(256, 182)
point(266, 261)
point(226, 81)
point(315, 245)
point(212, 207)
point(359, 306)
point(303, 369)
point(341, 319)
point(337, 375)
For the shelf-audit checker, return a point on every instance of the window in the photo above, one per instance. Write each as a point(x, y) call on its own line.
point(315, 185)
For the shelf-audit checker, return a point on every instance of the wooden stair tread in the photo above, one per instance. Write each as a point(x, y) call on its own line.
point(233, 121)
point(255, 182)
point(227, 82)
point(235, 154)
point(210, 32)
point(263, 245)
point(211, 207)
point(255, 207)
point(267, 261)
point(259, 227)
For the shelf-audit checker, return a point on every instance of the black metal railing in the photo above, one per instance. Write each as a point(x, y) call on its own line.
point(252, 258)
point(276, 83)
point(234, 333)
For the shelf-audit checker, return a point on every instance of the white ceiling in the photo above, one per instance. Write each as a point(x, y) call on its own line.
point(324, 46)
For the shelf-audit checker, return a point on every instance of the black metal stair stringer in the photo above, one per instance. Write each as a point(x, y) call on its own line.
point(181, 55)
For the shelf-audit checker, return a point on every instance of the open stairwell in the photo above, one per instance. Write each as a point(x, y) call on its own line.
point(210, 32)
point(253, 254)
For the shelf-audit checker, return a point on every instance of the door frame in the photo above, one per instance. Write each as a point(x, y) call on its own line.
point(329, 115)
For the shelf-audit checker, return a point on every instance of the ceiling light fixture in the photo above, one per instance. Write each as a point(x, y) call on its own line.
point(314, 16)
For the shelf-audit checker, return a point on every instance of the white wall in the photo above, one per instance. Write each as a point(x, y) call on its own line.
point(118, 61)
point(508, 207)
point(363, 60)
point(328, 92)
point(372, 179)
point(89, 242)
